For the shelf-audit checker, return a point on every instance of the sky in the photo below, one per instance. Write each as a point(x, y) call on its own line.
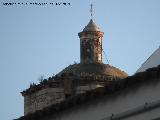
point(42, 40)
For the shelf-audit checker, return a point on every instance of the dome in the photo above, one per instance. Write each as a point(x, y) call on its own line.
point(98, 69)
point(91, 26)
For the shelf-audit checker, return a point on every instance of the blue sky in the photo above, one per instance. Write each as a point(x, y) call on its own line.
point(42, 40)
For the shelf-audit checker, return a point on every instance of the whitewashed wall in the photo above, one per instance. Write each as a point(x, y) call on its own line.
point(149, 115)
point(117, 103)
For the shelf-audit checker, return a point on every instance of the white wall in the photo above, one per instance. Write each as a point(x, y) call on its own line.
point(117, 103)
point(152, 61)
point(149, 115)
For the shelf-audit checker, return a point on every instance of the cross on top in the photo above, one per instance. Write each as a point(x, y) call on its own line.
point(91, 10)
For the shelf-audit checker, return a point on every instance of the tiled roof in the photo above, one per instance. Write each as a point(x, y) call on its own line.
point(80, 72)
point(95, 68)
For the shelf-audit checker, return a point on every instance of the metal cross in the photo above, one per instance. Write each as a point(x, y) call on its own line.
point(91, 10)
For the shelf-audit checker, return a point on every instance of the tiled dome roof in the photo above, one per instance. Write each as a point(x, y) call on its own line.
point(94, 69)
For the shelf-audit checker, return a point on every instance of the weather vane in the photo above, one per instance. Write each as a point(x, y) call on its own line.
point(91, 10)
